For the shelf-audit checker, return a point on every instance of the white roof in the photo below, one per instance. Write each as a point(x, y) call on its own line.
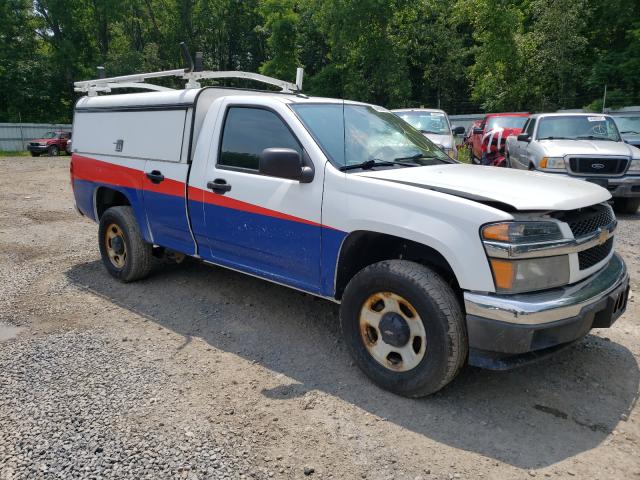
point(187, 97)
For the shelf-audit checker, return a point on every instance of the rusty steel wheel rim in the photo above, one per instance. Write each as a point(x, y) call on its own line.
point(392, 331)
point(115, 245)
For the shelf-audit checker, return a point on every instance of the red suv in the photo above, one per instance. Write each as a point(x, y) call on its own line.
point(501, 125)
point(52, 143)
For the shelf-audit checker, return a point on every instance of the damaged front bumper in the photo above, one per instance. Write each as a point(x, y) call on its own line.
point(506, 331)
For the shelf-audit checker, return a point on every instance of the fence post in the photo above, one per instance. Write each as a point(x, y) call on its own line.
point(21, 131)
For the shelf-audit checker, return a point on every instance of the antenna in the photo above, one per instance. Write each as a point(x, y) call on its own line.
point(186, 56)
point(198, 66)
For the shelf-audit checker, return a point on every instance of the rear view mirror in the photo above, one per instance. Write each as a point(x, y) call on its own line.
point(524, 137)
point(458, 130)
point(477, 131)
point(284, 163)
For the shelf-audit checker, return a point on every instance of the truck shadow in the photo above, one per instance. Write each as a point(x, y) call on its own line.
point(530, 418)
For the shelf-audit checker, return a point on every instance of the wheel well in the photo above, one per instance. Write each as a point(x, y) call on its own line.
point(361, 249)
point(107, 198)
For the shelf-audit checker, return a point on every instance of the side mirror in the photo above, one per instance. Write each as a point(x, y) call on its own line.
point(459, 130)
point(284, 163)
point(477, 131)
point(524, 137)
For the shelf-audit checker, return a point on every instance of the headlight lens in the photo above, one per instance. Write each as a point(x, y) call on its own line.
point(635, 166)
point(516, 276)
point(552, 163)
point(522, 232)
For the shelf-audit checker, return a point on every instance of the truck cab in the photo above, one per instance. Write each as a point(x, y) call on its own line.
point(435, 264)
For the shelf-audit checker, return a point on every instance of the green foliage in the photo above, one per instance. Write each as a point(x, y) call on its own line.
point(461, 55)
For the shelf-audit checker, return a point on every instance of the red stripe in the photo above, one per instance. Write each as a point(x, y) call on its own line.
point(89, 169)
point(228, 202)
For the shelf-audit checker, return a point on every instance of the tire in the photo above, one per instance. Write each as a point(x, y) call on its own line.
point(130, 258)
point(53, 151)
point(437, 358)
point(626, 205)
point(35, 154)
point(507, 161)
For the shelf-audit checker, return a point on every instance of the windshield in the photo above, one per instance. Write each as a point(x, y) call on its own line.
point(353, 134)
point(49, 135)
point(628, 124)
point(506, 122)
point(577, 127)
point(427, 122)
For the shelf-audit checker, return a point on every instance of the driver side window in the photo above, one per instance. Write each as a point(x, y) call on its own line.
point(531, 125)
point(247, 132)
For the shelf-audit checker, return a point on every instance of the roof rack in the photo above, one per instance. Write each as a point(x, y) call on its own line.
point(92, 87)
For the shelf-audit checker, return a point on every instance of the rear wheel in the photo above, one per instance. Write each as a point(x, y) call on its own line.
point(626, 205)
point(404, 326)
point(53, 151)
point(125, 254)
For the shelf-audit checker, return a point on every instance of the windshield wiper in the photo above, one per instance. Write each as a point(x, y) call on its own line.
point(594, 137)
point(630, 131)
point(369, 164)
point(431, 132)
point(417, 156)
point(556, 138)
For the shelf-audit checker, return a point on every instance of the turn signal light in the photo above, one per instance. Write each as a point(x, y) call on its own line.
point(502, 273)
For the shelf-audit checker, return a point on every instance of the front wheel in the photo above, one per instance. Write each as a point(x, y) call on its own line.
point(53, 151)
point(404, 326)
point(124, 252)
point(626, 205)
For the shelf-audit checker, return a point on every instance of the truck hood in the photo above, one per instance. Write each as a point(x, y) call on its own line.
point(41, 140)
point(445, 141)
point(560, 148)
point(521, 190)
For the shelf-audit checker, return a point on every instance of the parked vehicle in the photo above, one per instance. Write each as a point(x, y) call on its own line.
point(52, 143)
point(435, 125)
point(494, 130)
point(629, 126)
point(580, 145)
point(435, 263)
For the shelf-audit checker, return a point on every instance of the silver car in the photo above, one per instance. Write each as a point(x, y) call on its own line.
point(587, 146)
point(435, 125)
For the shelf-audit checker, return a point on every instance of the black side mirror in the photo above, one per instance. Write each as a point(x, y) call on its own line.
point(284, 163)
point(477, 131)
point(524, 137)
point(459, 130)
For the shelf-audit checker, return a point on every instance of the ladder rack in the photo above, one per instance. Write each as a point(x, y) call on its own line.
point(92, 87)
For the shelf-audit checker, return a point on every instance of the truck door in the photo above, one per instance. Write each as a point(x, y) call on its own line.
point(164, 181)
point(522, 159)
point(264, 225)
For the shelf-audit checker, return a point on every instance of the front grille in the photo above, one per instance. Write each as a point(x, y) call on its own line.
point(34, 144)
point(598, 165)
point(588, 258)
point(586, 221)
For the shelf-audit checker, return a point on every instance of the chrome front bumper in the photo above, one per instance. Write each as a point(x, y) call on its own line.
point(551, 305)
point(509, 330)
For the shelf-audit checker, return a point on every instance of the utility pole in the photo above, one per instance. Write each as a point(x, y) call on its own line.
point(604, 99)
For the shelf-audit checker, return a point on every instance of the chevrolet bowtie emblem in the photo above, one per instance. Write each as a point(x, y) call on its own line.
point(603, 236)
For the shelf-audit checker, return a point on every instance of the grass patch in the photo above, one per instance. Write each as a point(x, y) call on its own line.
point(21, 153)
point(464, 154)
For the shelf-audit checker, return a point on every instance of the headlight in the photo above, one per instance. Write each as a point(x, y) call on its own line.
point(552, 163)
point(515, 276)
point(522, 232)
point(634, 166)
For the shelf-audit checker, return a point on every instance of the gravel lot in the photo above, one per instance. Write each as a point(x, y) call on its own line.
point(200, 372)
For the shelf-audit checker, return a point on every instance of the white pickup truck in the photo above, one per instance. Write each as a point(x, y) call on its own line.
point(435, 263)
point(580, 145)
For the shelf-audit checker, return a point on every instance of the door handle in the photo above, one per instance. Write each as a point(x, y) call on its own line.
point(219, 186)
point(155, 176)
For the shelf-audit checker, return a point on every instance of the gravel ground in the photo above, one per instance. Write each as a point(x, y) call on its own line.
point(199, 372)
